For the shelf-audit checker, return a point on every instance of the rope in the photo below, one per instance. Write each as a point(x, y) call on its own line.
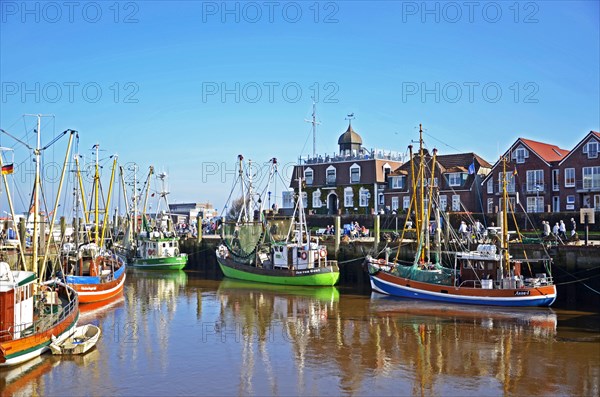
point(579, 281)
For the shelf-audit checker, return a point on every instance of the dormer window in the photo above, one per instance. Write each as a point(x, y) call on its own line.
point(308, 176)
point(354, 173)
point(330, 175)
point(455, 178)
point(591, 149)
point(397, 182)
point(520, 154)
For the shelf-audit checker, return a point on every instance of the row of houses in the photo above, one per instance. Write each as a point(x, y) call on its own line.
point(541, 177)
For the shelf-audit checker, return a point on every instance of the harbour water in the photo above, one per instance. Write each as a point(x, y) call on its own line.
point(174, 333)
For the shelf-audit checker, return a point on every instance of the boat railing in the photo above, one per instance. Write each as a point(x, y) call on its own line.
point(470, 283)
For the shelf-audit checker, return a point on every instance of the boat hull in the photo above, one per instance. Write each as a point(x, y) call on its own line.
point(168, 263)
point(79, 342)
point(17, 351)
point(89, 293)
point(325, 276)
point(389, 284)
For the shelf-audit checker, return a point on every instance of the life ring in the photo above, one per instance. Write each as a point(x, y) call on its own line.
point(323, 253)
point(303, 255)
point(381, 261)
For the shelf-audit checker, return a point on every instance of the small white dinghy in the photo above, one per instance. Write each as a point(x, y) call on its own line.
point(79, 342)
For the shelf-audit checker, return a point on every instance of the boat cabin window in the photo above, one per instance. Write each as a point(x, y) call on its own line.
point(164, 245)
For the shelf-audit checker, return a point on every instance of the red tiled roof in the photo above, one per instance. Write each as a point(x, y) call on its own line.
point(596, 133)
point(547, 152)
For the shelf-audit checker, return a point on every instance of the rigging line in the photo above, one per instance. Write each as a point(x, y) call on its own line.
point(442, 142)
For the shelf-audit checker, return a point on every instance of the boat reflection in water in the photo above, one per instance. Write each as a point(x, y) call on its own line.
point(539, 321)
point(175, 334)
point(20, 379)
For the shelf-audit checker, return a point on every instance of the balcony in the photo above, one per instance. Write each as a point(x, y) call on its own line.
point(588, 185)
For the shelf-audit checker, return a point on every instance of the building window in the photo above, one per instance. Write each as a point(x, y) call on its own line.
point(397, 182)
point(330, 175)
point(510, 182)
point(355, 173)
point(304, 199)
point(535, 181)
point(316, 199)
point(287, 199)
point(535, 204)
point(556, 204)
point(363, 197)
point(455, 179)
point(381, 199)
point(591, 149)
point(520, 154)
point(511, 204)
point(308, 176)
point(405, 203)
point(569, 177)
point(597, 202)
point(591, 177)
point(443, 202)
point(348, 197)
point(386, 171)
point(490, 186)
point(570, 203)
point(490, 205)
point(394, 203)
point(456, 202)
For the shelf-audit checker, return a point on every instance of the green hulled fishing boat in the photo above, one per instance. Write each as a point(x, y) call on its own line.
point(157, 245)
point(262, 247)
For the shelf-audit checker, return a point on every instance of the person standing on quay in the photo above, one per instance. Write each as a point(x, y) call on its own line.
point(562, 230)
point(546, 228)
point(574, 225)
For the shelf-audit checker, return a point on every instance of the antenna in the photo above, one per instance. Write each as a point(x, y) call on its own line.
point(314, 123)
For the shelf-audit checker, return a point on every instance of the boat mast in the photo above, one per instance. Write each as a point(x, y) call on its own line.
point(505, 253)
point(134, 198)
point(314, 123)
point(421, 200)
point(96, 196)
point(300, 211)
point(147, 184)
point(250, 214)
point(110, 189)
point(36, 189)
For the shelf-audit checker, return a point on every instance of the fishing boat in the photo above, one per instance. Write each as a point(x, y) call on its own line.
point(157, 247)
point(90, 267)
point(487, 276)
point(32, 313)
point(33, 310)
point(266, 248)
point(79, 342)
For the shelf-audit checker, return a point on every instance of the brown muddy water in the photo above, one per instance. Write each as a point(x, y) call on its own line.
point(173, 333)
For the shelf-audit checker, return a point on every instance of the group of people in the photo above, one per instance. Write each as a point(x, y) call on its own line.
point(471, 233)
point(358, 231)
point(559, 229)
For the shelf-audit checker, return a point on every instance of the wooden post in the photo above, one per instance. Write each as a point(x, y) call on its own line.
point(377, 232)
point(338, 232)
point(63, 228)
point(199, 227)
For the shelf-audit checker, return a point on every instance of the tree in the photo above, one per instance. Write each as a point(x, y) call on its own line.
point(235, 209)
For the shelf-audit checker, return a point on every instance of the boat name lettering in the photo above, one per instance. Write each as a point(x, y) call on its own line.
point(522, 293)
point(88, 288)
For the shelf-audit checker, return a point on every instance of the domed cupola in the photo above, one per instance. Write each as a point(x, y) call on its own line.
point(350, 140)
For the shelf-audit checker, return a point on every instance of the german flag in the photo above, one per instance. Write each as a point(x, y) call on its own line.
point(7, 169)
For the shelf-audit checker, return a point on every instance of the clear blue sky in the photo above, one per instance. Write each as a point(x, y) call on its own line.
point(162, 68)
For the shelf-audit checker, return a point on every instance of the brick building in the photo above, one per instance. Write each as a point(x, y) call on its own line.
point(458, 177)
point(350, 181)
